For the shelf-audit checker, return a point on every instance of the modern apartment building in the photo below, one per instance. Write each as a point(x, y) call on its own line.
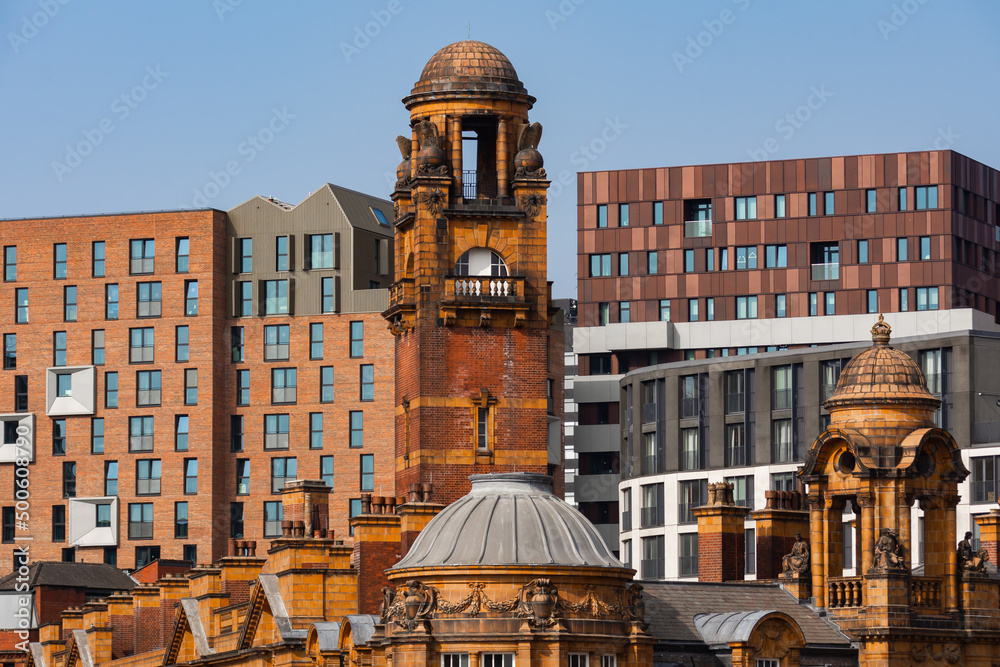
point(696, 262)
point(751, 419)
point(166, 373)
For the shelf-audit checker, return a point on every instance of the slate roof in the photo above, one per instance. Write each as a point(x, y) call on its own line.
point(671, 608)
point(72, 575)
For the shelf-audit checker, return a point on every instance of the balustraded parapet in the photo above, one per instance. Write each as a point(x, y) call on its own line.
point(486, 288)
point(925, 592)
point(845, 592)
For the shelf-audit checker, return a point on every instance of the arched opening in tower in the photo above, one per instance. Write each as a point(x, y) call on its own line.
point(479, 157)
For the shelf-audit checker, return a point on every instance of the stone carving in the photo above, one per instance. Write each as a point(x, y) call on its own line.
point(889, 552)
point(528, 161)
point(633, 607)
point(970, 560)
point(769, 640)
point(532, 204)
point(881, 331)
point(434, 200)
point(431, 160)
point(409, 606)
point(949, 654)
point(796, 563)
point(538, 601)
point(403, 170)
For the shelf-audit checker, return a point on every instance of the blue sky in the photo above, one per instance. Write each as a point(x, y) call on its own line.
point(164, 97)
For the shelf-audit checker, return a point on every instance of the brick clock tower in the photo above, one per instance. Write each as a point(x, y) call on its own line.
point(478, 363)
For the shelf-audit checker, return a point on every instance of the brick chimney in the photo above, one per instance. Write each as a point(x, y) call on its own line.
point(784, 515)
point(416, 513)
point(377, 546)
point(721, 544)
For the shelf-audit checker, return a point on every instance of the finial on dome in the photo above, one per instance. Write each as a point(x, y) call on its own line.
point(881, 331)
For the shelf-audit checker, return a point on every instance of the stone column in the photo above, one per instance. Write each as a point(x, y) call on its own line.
point(950, 593)
point(817, 545)
point(455, 137)
point(904, 502)
point(503, 159)
point(867, 519)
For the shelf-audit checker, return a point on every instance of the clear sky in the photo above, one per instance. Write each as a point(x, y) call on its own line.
point(122, 105)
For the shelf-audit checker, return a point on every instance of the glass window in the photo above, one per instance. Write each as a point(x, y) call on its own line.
point(190, 298)
point(652, 565)
point(276, 431)
point(236, 334)
point(831, 304)
point(326, 470)
point(862, 252)
point(69, 303)
point(689, 260)
point(724, 259)
point(902, 199)
point(141, 255)
point(69, 479)
point(276, 297)
point(273, 515)
point(927, 298)
point(904, 299)
point(10, 352)
point(97, 435)
point(283, 470)
point(926, 197)
point(367, 472)
point(624, 312)
point(901, 250)
point(710, 309)
point(284, 385)
point(780, 307)
point(111, 301)
point(658, 213)
point(746, 307)
point(651, 262)
point(21, 303)
point(326, 384)
point(98, 258)
point(111, 478)
point(782, 450)
point(242, 477)
point(925, 247)
point(181, 520)
point(236, 433)
point(623, 263)
point(357, 424)
point(190, 476)
point(181, 428)
point(872, 301)
point(243, 387)
point(148, 388)
point(244, 304)
point(690, 449)
point(64, 384)
point(140, 434)
point(236, 520)
point(746, 208)
point(812, 203)
point(147, 477)
point(664, 310)
point(602, 215)
point(316, 340)
point(688, 554)
point(327, 297)
point(316, 430)
point(600, 265)
point(59, 348)
point(367, 382)
point(746, 257)
point(357, 339)
point(813, 303)
point(692, 310)
point(736, 450)
point(775, 256)
point(58, 437)
point(281, 253)
point(828, 203)
point(276, 342)
point(244, 255)
point(9, 263)
point(59, 260)
point(149, 300)
point(183, 254)
point(710, 259)
point(870, 201)
point(779, 206)
point(141, 345)
point(320, 251)
point(690, 496)
point(181, 344)
point(140, 521)
point(623, 215)
point(190, 386)
point(111, 390)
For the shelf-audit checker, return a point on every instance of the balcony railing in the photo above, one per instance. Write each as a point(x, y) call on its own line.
point(648, 413)
point(782, 399)
point(925, 592)
point(691, 460)
point(689, 408)
point(485, 288)
point(650, 516)
point(845, 592)
point(650, 465)
point(826, 271)
point(650, 568)
point(626, 521)
point(736, 456)
point(734, 404)
point(697, 228)
point(476, 184)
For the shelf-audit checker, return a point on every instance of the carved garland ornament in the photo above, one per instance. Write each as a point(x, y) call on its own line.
point(538, 601)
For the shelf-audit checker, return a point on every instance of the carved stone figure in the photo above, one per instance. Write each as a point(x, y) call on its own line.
point(403, 170)
point(796, 563)
point(528, 161)
point(539, 603)
point(431, 159)
point(889, 552)
point(970, 560)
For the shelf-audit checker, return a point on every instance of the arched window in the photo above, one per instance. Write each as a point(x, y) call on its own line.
point(480, 262)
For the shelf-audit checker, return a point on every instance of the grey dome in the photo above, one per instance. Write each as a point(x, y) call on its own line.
point(509, 519)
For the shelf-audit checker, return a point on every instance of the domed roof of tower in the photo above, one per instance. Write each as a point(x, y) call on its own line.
point(469, 66)
point(509, 519)
point(881, 374)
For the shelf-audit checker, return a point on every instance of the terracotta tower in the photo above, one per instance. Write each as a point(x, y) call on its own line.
point(882, 453)
point(470, 306)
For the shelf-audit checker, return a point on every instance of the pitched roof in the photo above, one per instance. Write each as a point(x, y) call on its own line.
point(671, 608)
point(72, 575)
